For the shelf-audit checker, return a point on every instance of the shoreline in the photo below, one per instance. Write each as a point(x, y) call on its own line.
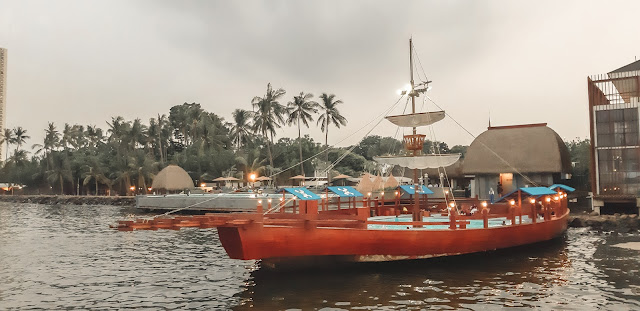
point(128, 201)
point(614, 223)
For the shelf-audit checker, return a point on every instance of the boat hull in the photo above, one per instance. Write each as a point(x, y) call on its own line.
point(354, 244)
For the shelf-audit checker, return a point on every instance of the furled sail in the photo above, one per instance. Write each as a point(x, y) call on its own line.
point(416, 119)
point(421, 161)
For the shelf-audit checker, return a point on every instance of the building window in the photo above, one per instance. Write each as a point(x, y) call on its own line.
point(619, 171)
point(617, 127)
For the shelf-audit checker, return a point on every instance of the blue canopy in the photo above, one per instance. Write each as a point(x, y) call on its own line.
point(410, 189)
point(345, 191)
point(537, 191)
point(302, 193)
point(532, 191)
point(564, 187)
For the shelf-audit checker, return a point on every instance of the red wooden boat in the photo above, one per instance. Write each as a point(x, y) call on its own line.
point(408, 225)
point(310, 229)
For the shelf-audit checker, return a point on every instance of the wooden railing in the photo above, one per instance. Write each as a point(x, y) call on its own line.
point(356, 214)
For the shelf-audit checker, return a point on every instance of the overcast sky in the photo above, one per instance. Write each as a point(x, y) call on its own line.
point(519, 61)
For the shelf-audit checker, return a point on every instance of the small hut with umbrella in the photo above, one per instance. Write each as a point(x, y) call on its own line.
point(263, 180)
point(226, 180)
point(301, 178)
point(343, 177)
point(172, 179)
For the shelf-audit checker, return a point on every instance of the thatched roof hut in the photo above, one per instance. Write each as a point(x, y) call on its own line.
point(377, 183)
point(365, 185)
point(531, 148)
point(391, 182)
point(172, 178)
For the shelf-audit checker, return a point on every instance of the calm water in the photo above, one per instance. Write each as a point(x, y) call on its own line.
point(66, 257)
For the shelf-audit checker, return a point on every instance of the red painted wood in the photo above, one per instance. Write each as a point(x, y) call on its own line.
point(260, 242)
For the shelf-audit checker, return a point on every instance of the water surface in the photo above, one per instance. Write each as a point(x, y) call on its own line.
point(66, 257)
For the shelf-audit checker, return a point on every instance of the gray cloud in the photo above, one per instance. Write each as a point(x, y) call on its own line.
point(526, 62)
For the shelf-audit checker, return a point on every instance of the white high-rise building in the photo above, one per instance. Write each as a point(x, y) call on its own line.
point(3, 93)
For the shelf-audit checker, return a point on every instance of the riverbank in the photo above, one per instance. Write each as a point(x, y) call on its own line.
point(70, 200)
point(615, 223)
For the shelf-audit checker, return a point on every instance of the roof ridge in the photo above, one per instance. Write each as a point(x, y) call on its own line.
point(516, 126)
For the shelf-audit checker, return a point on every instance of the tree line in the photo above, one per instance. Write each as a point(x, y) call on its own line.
point(124, 157)
point(127, 154)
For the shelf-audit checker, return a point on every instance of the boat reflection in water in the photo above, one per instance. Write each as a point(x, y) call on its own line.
point(523, 276)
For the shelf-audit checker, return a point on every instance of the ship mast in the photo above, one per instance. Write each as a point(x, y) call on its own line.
point(416, 215)
point(413, 103)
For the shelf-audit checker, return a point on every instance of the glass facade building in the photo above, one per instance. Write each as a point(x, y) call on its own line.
point(615, 135)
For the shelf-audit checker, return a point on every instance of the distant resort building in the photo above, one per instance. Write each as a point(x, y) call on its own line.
point(458, 181)
point(615, 148)
point(515, 156)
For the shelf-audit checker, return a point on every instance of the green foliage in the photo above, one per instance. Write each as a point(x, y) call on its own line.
point(372, 146)
point(86, 159)
point(580, 151)
point(352, 164)
point(459, 149)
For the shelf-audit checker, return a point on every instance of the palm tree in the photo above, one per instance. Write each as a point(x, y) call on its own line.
point(67, 136)
point(19, 157)
point(300, 110)
point(329, 115)
point(210, 133)
point(159, 134)
point(60, 170)
point(268, 115)
point(240, 128)
point(93, 171)
point(78, 138)
point(8, 139)
point(251, 162)
point(138, 134)
point(20, 137)
point(143, 168)
point(51, 138)
point(119, 131)
point(94, 135)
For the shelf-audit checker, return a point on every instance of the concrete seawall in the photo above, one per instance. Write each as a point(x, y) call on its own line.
point(70, 200)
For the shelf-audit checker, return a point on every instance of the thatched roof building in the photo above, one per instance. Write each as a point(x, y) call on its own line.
point(172, 178)
point(508, 157)
point(531, 148)
point(453, 171)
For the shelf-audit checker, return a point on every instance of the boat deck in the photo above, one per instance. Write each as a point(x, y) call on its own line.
point(473, 223)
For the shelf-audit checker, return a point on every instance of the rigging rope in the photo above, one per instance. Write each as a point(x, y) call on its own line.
point(349, 136)
point(386, 112)
point(468, 132)
point(487, 147)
